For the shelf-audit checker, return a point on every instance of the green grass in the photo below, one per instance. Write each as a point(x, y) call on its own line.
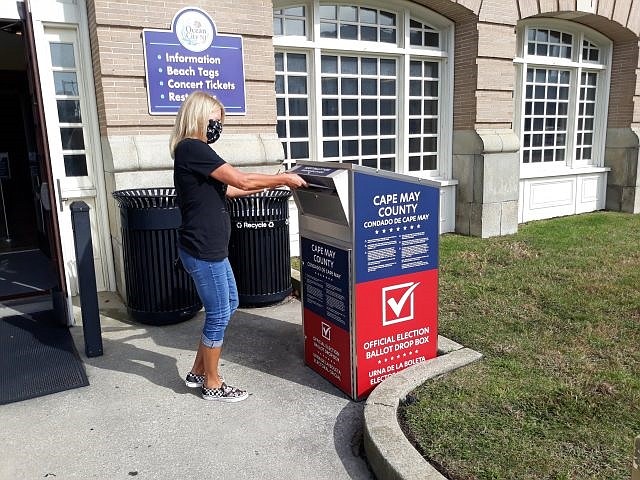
point(555, 310)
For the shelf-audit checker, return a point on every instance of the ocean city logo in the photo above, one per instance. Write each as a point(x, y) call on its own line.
point(195, 30)
point(398, 303)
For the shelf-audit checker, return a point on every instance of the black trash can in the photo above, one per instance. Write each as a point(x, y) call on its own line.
point(259, 247)
point(158, 293)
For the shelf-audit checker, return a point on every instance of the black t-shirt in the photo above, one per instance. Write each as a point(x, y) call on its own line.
point(206, 227)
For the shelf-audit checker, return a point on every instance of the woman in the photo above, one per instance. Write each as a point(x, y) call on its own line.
point(202, 179)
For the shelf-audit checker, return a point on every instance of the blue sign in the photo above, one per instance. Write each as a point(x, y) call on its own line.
point(396, 227)
point(192, 56)
point(325, 281)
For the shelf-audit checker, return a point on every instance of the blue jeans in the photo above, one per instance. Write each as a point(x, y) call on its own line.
point(217, 289)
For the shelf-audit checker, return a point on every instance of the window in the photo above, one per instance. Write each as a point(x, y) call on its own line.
point(423, 35)
point(359, 116)
point(290, 21)
point(365, 85)
point(564, 97)
point(424, 90)
point(349, 22)
point(292, 101)
point(546, 114)
point(65, 78)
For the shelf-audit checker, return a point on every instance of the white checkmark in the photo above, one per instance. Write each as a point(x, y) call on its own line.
point(396, 306)
point(326, 331)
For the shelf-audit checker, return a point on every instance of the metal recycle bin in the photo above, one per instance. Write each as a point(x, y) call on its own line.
point(158, 292)
point(259, 250)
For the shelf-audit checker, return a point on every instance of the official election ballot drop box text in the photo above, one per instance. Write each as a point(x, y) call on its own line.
point(369, 268)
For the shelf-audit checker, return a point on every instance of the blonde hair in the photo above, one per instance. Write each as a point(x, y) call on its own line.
point(193, 117)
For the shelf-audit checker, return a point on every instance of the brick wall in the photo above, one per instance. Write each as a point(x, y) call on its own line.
point(117, 54)
point(459, 11)
point(498, 12)
point(465, 76)
point(484, 71)
point(496, 75)
point(623, 84)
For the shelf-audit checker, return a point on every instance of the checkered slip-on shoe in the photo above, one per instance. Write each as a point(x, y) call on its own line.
point(224, 394)
point(194, 381)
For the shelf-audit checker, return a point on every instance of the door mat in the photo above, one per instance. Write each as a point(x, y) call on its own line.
point(37, 357)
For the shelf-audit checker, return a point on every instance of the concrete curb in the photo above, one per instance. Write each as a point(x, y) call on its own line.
point(295, 282)
point(389, 452)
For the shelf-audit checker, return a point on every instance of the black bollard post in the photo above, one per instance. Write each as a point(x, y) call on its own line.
point(86, 279)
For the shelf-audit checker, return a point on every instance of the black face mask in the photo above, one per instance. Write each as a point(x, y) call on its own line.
point(214, 129)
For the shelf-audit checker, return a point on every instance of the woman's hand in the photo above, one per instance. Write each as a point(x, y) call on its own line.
point(292, 180)
point(249, 182)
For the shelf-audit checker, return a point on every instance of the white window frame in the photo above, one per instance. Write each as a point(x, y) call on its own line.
point(80, 185)
point(577, 66)
point(90, 188)
point(403, 52)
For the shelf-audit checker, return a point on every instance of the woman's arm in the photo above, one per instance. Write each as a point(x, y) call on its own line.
point(233, 192)
point(244, 183)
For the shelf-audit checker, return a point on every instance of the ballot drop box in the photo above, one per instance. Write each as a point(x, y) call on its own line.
point(369, 272)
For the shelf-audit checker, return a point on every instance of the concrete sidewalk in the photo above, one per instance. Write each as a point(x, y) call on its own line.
point(137, 419)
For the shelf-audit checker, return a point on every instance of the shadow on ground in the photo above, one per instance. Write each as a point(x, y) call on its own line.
point(254, 341)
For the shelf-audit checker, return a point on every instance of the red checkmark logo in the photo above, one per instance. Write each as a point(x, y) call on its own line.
point(396, 297)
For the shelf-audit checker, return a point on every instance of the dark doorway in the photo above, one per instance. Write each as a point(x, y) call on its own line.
point(17, 175)
point(25, 257)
